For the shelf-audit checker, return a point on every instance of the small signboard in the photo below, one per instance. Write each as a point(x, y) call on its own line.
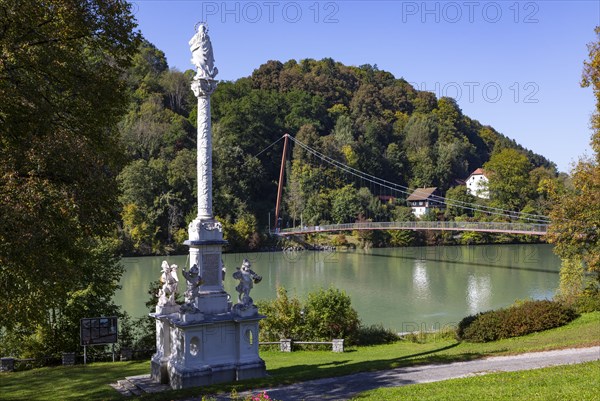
point(98, 330)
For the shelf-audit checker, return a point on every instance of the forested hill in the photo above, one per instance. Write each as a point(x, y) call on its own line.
point(361, 116)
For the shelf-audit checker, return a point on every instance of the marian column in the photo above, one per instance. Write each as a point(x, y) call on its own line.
point(206, 340)
point(205, 233)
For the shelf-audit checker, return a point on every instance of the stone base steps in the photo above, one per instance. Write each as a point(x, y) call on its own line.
point(138, 385)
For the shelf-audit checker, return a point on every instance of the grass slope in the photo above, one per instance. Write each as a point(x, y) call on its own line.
point(91, 382)
point(570, 382)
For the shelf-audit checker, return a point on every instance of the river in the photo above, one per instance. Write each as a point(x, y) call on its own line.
point(404, 289)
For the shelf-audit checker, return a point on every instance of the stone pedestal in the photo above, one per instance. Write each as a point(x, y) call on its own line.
point(285, 345)
point(218, 350)
point(7, 365)
point(160, 359)
point(206, 243)
point(338, 345)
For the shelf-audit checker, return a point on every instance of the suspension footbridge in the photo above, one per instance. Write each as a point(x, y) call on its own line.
point(511, 222)
point(488, 227)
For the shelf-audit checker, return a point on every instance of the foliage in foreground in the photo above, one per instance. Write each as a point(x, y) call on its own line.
point(568, 382)
point(262, 396)
point(588, 300)
point(375, 334)
point(576, 214)
point(518, 320)
point(326, 314)
point(62, 89)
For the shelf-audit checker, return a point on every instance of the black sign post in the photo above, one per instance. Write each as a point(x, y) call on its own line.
point(96, 331)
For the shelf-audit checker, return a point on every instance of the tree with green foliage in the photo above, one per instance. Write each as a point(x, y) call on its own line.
point(62, 68)
point(575, 228)
point(402, 237)
point(361, 116)
point(329, 314)
point(345, 205)
point(318, 209)
point(143, 184)
point(147, 65)
point(458, 197)
point(508, 184)
point(420, 136)
point(284, 317)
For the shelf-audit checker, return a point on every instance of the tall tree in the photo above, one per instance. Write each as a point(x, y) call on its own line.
point(575, 228)
point(62, 65)
point(509, 184)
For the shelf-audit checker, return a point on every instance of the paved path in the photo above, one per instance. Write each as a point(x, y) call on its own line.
point(345, 387)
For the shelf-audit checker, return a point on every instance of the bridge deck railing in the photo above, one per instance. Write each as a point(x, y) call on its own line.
point(500, 227)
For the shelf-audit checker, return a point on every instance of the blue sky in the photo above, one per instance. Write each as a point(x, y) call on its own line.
point(514, 65)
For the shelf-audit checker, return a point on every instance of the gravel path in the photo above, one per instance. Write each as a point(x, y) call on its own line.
point(345, 387)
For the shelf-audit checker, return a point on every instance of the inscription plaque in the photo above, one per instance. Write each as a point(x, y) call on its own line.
point(211, 273)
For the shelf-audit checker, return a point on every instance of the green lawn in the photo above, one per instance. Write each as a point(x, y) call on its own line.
point(69, 382)
point(91, 382)
point(570, 382)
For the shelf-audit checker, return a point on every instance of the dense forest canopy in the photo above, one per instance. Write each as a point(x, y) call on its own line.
point(361, 116)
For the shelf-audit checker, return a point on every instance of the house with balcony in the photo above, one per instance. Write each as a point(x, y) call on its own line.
point(424, 199)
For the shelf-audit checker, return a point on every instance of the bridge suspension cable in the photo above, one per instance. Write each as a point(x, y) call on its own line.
point(269, 147)
point(408, 191)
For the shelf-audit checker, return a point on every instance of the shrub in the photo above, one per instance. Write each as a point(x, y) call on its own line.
point(447, 332)
point(339, 240)
point(588, 300)
point(374, 335)
point(284, 317)
point(463, 324)
point(518, 320)
point(326, 314)
point(329, 314)
point(485, 327)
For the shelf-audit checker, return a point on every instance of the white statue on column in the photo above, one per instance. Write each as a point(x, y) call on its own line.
point(202, 54)
point(205, 340)
point(194, 281)
point(247, 279)
point(169, 281)
point(203, 85)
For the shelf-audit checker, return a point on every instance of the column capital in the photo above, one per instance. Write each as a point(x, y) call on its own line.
point(204, 87)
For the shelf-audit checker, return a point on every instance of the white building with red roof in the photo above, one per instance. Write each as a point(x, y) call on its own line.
point(477, 184)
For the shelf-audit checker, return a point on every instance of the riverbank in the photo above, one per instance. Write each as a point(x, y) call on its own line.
point(345, 240)
point(92, 381)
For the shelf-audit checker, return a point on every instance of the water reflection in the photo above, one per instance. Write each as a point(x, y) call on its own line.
point(420, 281)
point(479, 291)
point(394, 287)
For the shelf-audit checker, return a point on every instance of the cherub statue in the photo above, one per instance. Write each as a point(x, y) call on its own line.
point(169, 280)
point(202, 54)
point(194, 281)
point(247, 279)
